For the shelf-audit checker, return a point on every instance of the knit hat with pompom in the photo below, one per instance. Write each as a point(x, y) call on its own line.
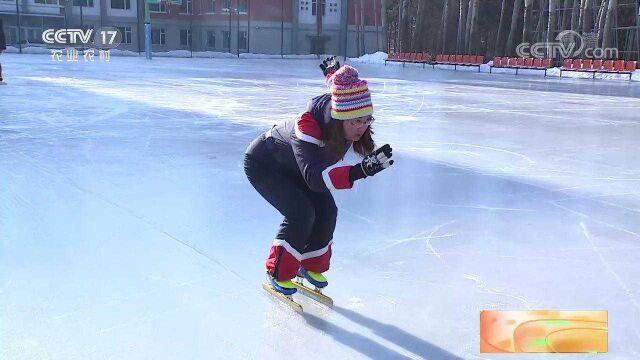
point(350, 97)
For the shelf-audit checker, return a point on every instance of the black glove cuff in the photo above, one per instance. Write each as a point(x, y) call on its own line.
point(356, 173)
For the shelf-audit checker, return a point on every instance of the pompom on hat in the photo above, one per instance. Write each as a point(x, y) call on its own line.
point(350, 96)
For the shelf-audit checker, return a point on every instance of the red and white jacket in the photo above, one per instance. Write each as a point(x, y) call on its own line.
point(299, 148)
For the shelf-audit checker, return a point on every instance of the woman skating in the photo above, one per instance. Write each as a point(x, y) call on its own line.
point(292, 167)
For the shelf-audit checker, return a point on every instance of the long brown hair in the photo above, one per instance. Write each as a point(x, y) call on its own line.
point(334, 141)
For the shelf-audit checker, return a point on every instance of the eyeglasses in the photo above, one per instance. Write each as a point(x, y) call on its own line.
point(360, 122)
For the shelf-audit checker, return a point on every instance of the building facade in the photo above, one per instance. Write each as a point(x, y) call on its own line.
point(236, 26)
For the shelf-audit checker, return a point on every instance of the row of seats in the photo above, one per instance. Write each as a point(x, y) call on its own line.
point(523, 63)
point(594, 66)
point(409, 57)
point(426, 58)
point(599, 65)
point(460, 59)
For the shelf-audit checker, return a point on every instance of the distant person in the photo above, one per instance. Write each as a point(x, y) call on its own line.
point(292, 167)
point(3, 47)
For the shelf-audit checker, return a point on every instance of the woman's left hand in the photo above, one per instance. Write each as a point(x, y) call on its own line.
point(377, 160)
point(329, 65)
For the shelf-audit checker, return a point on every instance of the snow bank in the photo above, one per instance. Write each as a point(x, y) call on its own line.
point(118, 52)
point(553, 72)
point(375, 58)
point(28, 50)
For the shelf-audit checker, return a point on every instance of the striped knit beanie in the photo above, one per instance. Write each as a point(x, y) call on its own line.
point(350, 97)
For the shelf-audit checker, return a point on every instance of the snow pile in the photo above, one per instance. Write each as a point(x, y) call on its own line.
point(445, 67)
point(607, 76)
point(228, 55)
point(118, 52)
point(260, 56)
point(375, 58)
point(29, 50)
point(173, 53)
point(285, 56)
point(553, 72)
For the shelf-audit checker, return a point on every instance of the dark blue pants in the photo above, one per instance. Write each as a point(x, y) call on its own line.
point(305, 234)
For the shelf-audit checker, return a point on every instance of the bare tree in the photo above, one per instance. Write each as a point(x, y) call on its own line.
point(503, 9)
point(383, 22)
point(468, 25)
point(445, 24)
point(551, 29)
point(527, 20)
point(540, 33)
point(359, 49)
point(362, 26)
point(575, 15)
point(515, 15)
point(566, 14)
point(421, 20)
point(585, 16)
point(607, 38)
point(404, 25)
point(462, 25)
point(472, 25)
point(602, 13)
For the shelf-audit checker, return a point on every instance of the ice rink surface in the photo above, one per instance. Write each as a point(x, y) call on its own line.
point(128, 229)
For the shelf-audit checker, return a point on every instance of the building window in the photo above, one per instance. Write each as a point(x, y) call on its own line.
point(242, 6)
point(83, 3)
point(187, 6)
point(226, 5)
point(314, 4)
point(13, 35)
point(185, 37)
point(226, 40)
point(28, 35)
point(159, 37)
point(211, 6)
point(121, 4)
point(50, 2)
point(158, 8)
point(125, 31)
point(33, 35)
point(242, 40)
point(211, 39)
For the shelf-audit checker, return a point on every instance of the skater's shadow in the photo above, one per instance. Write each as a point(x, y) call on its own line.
point(371, 348)
point(360, 343)
point(397, 336)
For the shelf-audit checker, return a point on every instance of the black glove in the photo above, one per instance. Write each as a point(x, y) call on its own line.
point(372, 163)
point(329, 64)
